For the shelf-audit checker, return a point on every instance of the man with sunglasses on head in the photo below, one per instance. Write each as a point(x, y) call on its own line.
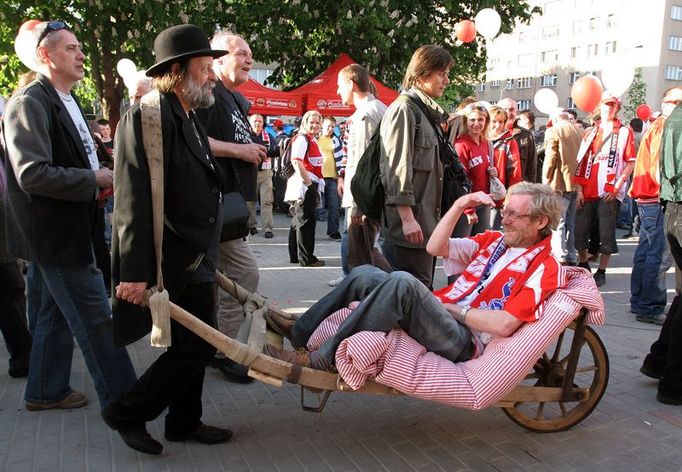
point(53, 181)
point(505, 278)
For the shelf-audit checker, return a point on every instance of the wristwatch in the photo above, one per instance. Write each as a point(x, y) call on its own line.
point(463, 314)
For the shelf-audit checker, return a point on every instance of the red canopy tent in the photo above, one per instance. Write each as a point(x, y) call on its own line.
point(267, 101)
point(320, 93)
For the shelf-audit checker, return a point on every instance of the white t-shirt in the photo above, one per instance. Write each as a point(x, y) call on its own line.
point(82, 128)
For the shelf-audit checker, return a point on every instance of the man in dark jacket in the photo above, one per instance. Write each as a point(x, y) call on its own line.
point(183, 78)
point(53, 180)
point(524, 139)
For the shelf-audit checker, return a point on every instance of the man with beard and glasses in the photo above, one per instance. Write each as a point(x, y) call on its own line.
point(183, 78)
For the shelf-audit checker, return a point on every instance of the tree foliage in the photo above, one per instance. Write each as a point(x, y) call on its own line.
point(301, 36)
point(636, 95)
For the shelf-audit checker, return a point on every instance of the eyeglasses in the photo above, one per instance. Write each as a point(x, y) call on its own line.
point(512, 215)
point(51, 26)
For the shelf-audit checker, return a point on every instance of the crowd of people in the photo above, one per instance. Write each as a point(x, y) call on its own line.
point(92, 225)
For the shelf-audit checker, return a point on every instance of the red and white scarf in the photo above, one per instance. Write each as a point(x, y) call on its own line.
point(590, 149)
point(518, 288)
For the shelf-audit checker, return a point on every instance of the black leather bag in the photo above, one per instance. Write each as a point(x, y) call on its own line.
point(235, 217)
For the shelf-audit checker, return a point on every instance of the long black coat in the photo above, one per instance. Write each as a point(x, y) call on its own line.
point(191, 206)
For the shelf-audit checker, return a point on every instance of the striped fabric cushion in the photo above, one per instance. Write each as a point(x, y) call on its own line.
point(398, 361)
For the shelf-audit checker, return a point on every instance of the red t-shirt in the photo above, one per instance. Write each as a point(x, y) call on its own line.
point(474, 158)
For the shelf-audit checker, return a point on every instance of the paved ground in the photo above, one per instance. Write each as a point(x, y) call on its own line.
point(628, 431)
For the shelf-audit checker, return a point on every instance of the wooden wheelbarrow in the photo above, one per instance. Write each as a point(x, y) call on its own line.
point(562, 389)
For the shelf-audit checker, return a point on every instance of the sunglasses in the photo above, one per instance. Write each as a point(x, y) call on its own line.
point(51, 26)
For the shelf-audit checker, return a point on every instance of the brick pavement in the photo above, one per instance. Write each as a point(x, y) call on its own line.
point(628, 431)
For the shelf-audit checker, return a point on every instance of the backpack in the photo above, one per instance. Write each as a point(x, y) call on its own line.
point(366, 187)
point(286, 168)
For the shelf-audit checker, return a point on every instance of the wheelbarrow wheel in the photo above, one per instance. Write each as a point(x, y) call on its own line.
point(592, 372)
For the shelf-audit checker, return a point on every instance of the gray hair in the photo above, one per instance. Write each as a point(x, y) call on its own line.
point(222, 37)
point(545, 202)
point(48, 42)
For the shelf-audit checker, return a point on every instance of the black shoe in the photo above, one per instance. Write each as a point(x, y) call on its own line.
point(628, 235)
point(599, 277)
point(253, 231)
point(140, 440)
point(204, 434)
point(335, 236)
point(268, 235)
point(18, 372)
point(649, 372)
point(585, 265)
point(657, 320)
point(232, 371)
point(668, 399)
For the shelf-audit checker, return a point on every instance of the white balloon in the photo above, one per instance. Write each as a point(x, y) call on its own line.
point(546, 100)
point(484, 104)
point(617, 76)
point(488, 23)
point(126, 68)
point(25, 47)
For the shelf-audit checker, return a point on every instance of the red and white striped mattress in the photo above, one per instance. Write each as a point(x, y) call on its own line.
point(398, 361)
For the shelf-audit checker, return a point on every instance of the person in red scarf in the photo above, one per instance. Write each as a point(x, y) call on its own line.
point(505, 278)
point(506, 158)
point(605, 160)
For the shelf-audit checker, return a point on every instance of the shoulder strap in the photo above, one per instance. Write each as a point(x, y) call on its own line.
point(152, 141)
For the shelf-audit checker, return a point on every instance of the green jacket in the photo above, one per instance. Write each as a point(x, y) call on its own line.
point(671, 157)
point(411, 171)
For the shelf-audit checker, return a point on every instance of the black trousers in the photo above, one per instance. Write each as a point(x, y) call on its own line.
point(302, 231)
point(666, 352)
point(13, 315)
point(176, 379)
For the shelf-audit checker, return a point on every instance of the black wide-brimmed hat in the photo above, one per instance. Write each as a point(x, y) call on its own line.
point(180, 42)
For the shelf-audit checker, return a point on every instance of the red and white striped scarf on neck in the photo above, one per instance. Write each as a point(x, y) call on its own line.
point(524, 282)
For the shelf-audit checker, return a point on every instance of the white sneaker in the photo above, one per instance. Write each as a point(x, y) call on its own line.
point(335, 282)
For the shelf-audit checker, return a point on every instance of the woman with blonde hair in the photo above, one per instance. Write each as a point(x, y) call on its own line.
point(303, 191)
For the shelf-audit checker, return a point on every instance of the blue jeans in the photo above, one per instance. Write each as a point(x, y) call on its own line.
point(647, 297)
point(67, 301)
point(389, 301)
point(333, 203)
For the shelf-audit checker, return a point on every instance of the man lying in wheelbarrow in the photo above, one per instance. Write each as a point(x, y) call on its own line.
point(504, 279)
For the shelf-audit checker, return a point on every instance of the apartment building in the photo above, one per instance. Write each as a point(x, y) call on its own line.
point(576, 37)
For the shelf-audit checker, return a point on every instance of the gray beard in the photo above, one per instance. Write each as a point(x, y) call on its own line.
point(198, 96)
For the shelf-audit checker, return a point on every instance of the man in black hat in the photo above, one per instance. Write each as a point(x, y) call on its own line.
point(183, 77)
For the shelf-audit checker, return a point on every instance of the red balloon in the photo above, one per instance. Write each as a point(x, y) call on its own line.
point(643, 112)
point(586, 93)
point(29, 25)
point(465, 31)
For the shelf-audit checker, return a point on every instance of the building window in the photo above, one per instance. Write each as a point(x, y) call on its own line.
point(676, 12)
point(675, 43)
point(493, 102)
point(592, 50)
point(549, 56)
point(570, 103)
point(481, 87)
point(673, 72)
point(610, 47)
point(550, 32)
point(572, 77)
point(524, 82)
point(548, 80)
point(611, 21)
point(494, 83)
point(525, 59)
point(578, 26)
point(523, 105)
point(575, 52)
point(260, 75)
point(524, 36)
point(594, 23)
point(510, 84)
